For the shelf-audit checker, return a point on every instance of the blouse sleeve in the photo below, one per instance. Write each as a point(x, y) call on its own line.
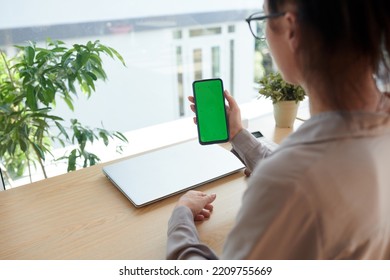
point(183, 241)
point(248, 149)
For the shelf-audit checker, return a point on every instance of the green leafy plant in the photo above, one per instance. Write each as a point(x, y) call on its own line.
point(275, 88)
point(81, 137)
point(31, 83)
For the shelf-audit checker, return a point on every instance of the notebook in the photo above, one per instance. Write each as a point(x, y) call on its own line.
point(156, 175)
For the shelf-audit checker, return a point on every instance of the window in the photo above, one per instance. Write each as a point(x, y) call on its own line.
point(231, 68)
point(180, 91)
point(165, 44)
point(205, 31)
point(215, 62)
point(177, 34)
point(198, 72)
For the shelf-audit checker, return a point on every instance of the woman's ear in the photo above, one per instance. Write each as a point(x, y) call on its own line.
point(292, 30)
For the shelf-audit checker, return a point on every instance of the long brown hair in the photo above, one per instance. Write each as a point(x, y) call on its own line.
point(339, 34)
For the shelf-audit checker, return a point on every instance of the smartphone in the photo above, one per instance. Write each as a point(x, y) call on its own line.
point(210, 111)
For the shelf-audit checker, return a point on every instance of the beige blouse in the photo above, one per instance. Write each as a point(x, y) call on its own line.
point(323, 194)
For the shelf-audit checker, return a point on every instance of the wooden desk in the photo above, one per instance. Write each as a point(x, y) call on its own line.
point(81, 215)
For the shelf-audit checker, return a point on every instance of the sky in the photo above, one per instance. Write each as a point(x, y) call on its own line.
point(27, 13)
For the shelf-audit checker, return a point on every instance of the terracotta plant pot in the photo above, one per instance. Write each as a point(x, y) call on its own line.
point(285, 113)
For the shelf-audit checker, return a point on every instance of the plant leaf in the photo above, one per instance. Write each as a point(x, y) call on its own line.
point(121, 137)
point(104, 137)
point(29, 52)
point(72, 160)
point(31, 99)
point(38, 149)
point(117, 54)
point(62, 130)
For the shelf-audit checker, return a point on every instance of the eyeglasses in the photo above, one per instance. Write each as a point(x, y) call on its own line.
point(256, 23)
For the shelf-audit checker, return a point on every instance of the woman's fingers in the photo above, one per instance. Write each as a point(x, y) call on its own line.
point(209, 207)
point(198, 202)
point(204, 214)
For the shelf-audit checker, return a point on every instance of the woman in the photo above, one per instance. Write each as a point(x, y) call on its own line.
point(325, 192)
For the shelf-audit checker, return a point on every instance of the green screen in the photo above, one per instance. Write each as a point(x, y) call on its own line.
point(210, 111)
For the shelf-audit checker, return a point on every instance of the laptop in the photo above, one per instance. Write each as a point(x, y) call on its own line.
point(155, 175)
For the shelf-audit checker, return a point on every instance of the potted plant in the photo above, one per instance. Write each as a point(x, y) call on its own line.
point(31, 83)
point(285, 98)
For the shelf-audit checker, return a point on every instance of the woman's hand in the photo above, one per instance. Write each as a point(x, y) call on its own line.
point(233, 114)
point(199, 204)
